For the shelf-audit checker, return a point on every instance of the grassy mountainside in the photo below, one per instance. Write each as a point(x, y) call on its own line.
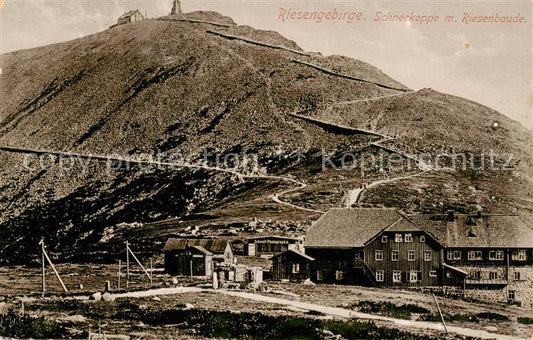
point(172, 87)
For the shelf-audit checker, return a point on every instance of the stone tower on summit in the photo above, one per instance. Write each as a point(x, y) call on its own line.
point(176, 7)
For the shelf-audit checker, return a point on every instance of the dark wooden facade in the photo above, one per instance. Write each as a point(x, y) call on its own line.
point(202, 254)
point(292, 266)
point(404, 259)
point(271, 245)
point(194, 261)
point(487, 256)
point(452, 276)
point(338, 265)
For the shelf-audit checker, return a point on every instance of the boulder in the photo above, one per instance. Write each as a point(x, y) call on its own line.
point(327, 333)
point(491, 328)
point(73, 318)
point(96, 296)
point(108, 297)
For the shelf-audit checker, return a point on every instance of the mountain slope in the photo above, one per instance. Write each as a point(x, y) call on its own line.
point(176, 88)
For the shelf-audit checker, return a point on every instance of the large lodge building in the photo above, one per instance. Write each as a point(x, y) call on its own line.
point(487, 256)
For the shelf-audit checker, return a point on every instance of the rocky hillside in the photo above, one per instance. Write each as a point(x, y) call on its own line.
point(178, 86)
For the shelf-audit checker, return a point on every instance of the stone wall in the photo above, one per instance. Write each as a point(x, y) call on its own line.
point(523, 287)
point(497, 294)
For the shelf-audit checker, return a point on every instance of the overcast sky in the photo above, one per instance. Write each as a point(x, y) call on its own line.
point(489, 63)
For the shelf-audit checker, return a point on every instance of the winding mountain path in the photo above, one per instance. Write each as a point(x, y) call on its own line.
point(276, 199)
point(366, 100)
point(340, 75)
point(353, 196)
point(340, 127)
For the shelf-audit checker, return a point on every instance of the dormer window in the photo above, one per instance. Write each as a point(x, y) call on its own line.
point(475, 255)
point(453, 255)
point(398, 238)
point(519, 255)
point(496, 255)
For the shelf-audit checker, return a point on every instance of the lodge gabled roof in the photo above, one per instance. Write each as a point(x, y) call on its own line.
point(349, 228)
point(355, 227)
point(202, 250)
point(296, 253)
point(477, 231)
point(405, 224)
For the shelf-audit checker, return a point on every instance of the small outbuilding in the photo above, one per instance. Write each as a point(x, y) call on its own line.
point(291, 265)
point(131, 16)
point(196, 257)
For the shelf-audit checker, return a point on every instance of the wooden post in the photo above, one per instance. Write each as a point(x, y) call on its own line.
point(55, 270)
point(138, 262)
point(151, 273)
point(191, 267)
point(127, 262)
point(119, 267)
point(441, 317)
point(43, 267)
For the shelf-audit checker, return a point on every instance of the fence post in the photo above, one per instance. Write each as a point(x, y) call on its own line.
point(127, 262)
point(119, 268)
point(45, 256)
point(441, 317)
point(43, 268)
point(151, 273)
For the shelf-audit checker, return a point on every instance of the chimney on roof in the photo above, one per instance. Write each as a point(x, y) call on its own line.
point(451, 216)
point(176, 7)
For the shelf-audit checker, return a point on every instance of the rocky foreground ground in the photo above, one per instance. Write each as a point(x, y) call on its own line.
point(204, 313)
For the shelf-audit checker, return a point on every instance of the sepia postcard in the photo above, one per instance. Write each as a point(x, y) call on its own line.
point(222, 169)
